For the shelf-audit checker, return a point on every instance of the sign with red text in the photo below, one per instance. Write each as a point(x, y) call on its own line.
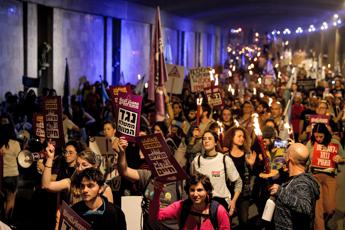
point(162, 163)
point(214, 96)
point(199, 79)
point(70, 220)
point(128, 115)
point(53, 127)
point(38, 125)
point(323, 156)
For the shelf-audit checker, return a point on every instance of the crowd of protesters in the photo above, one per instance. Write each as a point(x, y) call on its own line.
point(216, 145)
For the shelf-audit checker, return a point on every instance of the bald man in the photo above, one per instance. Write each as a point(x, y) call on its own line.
point(296, 199)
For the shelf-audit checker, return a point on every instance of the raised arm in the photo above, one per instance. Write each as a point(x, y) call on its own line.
point(53, 186)
point(119, 147)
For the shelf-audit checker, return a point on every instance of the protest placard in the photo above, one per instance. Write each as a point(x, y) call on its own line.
point(162, 163)
point(199, 79)
point(175, 78)
point(38, 125)
point(128, 115)
point(214, 97)
point(323, 155)
point(53, 127)
point(315, 118)
point(70, 220)
point(306, 84)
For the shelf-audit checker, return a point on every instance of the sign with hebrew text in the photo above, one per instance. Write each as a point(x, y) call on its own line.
point(128, 115)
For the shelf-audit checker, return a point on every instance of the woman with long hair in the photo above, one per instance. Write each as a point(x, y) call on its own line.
point(244, 160)
point(220, 168)
point(196, 212)
point(9, 149)
point(325, 153)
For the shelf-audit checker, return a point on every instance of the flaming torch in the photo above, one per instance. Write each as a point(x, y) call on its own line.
point(198, 109)
point(220, 132)
point(268, 172)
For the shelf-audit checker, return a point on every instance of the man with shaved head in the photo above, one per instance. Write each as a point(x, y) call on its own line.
point(296, 199)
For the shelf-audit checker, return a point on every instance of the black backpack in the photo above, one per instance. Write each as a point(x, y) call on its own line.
point(186, 206)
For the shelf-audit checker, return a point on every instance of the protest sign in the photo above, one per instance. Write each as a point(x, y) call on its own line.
point(38, 125)
point(318, 119)
point(306, 84)
point(70, 220)
point(175, 79)
point(162, 163)
point(214, 97)
point(128, 115)
point(114, 92)
point(323, 155)
point(53, 128)
point(199, 79)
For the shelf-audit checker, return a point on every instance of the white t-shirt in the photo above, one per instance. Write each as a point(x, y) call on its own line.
point(213, 167)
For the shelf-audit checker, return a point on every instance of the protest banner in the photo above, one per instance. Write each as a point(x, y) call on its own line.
point(38, 125)
point(214, 97)
point(53, 128)
point(175, 79)
point(199, 79)
point(323, 155)
point(128, 115)
point(70, 220)
point(162, 163)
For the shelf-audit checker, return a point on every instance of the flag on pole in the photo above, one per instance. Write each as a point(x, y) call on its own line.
point(66, 93)
point(158, 74)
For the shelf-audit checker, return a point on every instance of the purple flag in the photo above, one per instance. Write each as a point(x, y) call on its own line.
point(158, 73)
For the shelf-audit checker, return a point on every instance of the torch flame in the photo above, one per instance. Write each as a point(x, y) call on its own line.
point(199, 101)
point(257, 129)
point(236, 123)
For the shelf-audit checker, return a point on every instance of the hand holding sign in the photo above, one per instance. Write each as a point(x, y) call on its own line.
point(120, 145)
point(50, 150)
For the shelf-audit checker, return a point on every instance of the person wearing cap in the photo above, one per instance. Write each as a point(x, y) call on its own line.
point(296, 198)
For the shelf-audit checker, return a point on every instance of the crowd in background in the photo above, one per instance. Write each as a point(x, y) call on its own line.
point(230, 127)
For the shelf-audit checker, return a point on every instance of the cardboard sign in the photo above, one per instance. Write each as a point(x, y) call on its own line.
point(38, 125)
point(175, 79)
point(128, 115)
point(199, 79)
point(318, 119)
point(162, 163)
point(323, 155)
point(53, 120)
point(214, 97)
point(70, 220)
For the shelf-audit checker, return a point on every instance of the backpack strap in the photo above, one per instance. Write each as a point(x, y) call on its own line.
point(225, 172)
point(199, 160)
point(213, 214)
point(186, 206)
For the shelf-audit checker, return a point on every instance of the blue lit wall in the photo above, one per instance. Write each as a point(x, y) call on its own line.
point(11, 46)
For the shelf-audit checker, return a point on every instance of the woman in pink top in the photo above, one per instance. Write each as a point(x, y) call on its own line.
point(198, 212)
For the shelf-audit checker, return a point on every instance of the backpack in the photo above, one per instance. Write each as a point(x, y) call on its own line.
point(227, 180)
point(186, 206)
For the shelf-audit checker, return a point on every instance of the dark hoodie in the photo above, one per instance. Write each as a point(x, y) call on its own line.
point(295, 203)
